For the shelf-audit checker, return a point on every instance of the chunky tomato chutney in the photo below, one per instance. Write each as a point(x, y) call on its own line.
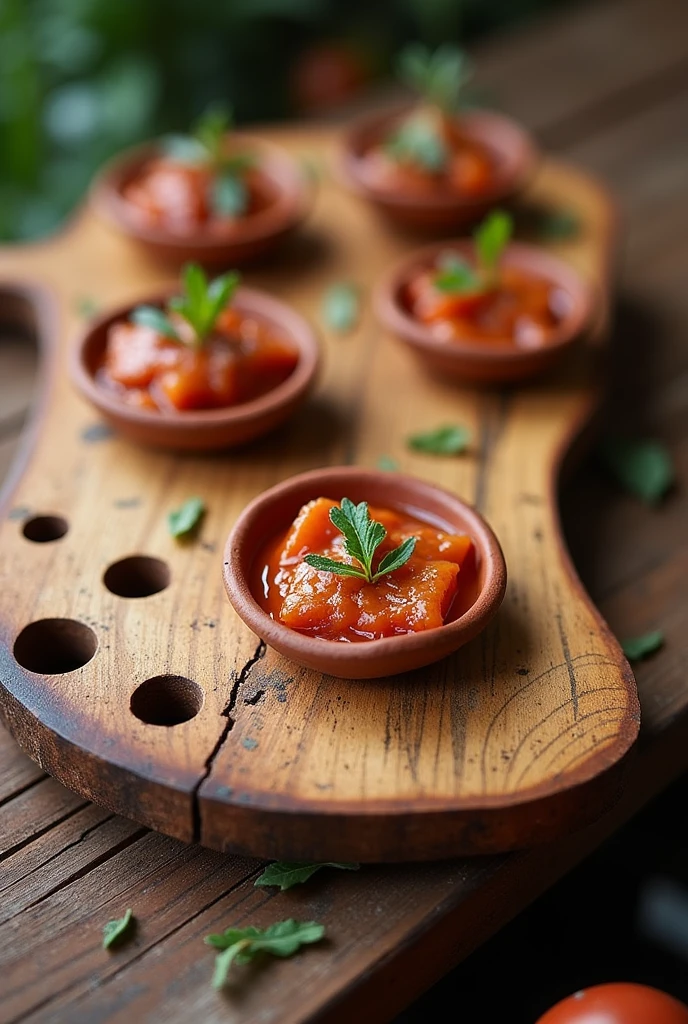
point(433, 585)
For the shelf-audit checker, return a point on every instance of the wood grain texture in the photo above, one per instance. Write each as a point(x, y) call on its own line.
point(394, 930)
point(506, 743)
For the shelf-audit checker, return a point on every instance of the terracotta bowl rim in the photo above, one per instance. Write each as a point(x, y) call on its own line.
point(295, 199)
point(334, 477)
point(481, 123)
point(254, 300)
point(393, 316)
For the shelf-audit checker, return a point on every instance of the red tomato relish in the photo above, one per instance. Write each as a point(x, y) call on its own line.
point(436, 584)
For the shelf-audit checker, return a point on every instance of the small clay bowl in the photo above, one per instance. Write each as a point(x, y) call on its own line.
point(273, 511)
point(249, 239)
point(480, 362)
point(440, 210)
point(205, 429)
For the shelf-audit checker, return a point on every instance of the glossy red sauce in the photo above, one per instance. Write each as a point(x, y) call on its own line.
point(520, 308)
point(243, 359)
point(176, 197)
point(471, 168)
point(437, 584)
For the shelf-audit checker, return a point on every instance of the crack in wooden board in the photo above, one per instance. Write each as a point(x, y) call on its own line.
point(395, 769)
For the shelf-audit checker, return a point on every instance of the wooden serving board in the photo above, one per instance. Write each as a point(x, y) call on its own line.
point(520, 736)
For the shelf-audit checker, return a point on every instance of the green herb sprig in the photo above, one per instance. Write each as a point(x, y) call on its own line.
point(451, 439)
point(286, 874)
point(118, 931)
point(242, 945)
point(363, 537)
point(185, 520)
point(456, 276)
point(200, 305)
point(439, 77)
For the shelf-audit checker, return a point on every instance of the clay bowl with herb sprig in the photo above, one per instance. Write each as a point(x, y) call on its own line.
point(485, 310)
point(436, 166)
point(214, 196)
point(272, 515)
point(211, 366)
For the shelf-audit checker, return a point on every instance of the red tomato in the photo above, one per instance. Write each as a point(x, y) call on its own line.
point(618, 1003)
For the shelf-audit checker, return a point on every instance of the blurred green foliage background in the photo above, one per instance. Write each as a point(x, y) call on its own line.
point(80, 79)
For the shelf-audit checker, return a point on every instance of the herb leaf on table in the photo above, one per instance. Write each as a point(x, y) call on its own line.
point(286, 874)
point(118, 931)
point(638, 647)
point(341, 307)
point(451, 439)
point(363, 537)
point(186, 519)
point(643, 468)
point(242, 945)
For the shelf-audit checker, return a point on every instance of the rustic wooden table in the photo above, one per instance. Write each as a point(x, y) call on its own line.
point(606, 84)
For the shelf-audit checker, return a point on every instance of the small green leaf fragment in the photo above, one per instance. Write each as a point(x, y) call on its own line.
point(341, 307)
point(491, 238)
point(387, 464)
point(439, 77)
point(183, 149)
point(87, 307)
point(228, 195)
point(242, 945)
point(394, 560)
point(151, 316)
point(324, 564)
point(456, 276)
point(559, 225)
point(119, 931)
point(638, 647)
point(286, 874)
point(184, 521)
point(451, 439)
point(644, 468)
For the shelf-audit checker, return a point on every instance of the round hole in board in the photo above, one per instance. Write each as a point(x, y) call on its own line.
point(54, 646)
point(137, 576)
point(166, 700)
point(43, 529)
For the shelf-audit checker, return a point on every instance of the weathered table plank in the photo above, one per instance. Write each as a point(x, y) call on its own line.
point(393, 931)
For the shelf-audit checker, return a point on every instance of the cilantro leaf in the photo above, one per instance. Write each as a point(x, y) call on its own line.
point(451, 439)
point(151, 316)
point(362, 536)
point(341, 307)
point(456, 276)
point(210, 130)
point(242, 945)
point(637, 647)
point(201, 301)
point(118, 931)
point(185, 520)
point(643, 468)
point(439, 77)
point(491, 238)
point(418, 141)
point(285, 874)
point(228, 194)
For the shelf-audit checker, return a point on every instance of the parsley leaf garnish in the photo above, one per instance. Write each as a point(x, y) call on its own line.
point(637, 647)
point(118, 931)
point(185, 520)
point(491, 238)
point(439, 77)
point(451, 439)
point(456, 276)
point(242, 945)
point(200, 304)
point(341, 307)
point(418, 142)
point(644, 468)
point(285, 874)
point(363, 537)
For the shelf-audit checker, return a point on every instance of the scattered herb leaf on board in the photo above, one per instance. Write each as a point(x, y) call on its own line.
point(387, 464)
point(119, 931)
point(186, 519)
point(341, 307)
point(560, 224)
point(451, 439)
point(643, 468)
point(638, 647)
point(242, 945)
point(362, 536)
point(285, 874)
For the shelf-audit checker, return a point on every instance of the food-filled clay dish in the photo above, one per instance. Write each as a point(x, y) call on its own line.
point(435, 166)
point(485, 310)
point(212, 367)
point(363, 574)
point(212, 196)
